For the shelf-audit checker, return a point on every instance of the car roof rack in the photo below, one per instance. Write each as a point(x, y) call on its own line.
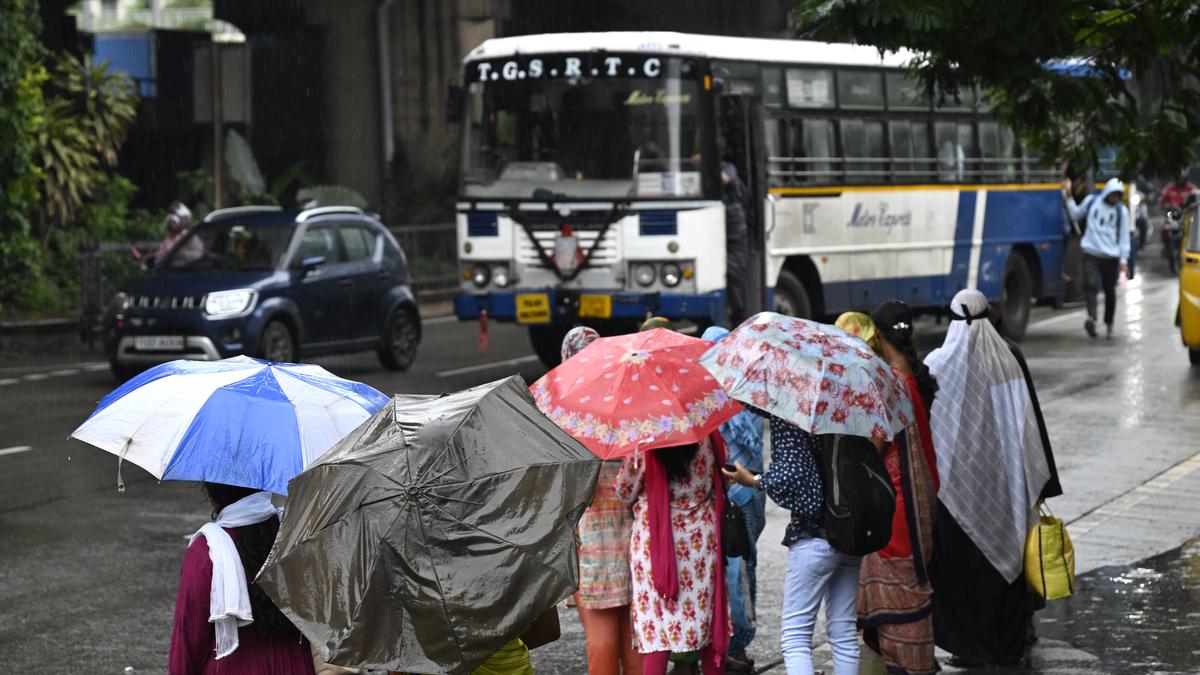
point(238, 211)
point(306, 214)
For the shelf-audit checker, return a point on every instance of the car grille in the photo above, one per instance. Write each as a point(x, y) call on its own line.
point(166, 302)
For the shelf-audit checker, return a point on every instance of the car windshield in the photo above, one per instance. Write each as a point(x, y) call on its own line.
point(231, 245)
point(626, 127)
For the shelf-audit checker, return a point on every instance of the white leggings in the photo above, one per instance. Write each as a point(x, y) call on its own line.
point(815, 571)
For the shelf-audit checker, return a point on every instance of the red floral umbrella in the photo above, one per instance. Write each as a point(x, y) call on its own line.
point(640, 391)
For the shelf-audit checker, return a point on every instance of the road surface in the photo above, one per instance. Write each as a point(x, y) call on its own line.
point(88, 575)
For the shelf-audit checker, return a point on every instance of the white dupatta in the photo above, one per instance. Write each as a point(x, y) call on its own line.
point(989, 452)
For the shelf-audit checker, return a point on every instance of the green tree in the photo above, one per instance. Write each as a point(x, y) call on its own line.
point(20, 104)
point(1004, 48)
point(87, 116)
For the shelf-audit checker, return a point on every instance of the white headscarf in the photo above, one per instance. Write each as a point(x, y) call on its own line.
point(229, 596)
point(989, 452)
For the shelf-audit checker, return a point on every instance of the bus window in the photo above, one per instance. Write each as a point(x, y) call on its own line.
point(952, 152)
point(810, 87)
point(772, 87)
point(813, 151)
point(904, 92)
point(862, 143)
point(778, 167)
point(860, 89)
point(997, 147)
point(910, 141)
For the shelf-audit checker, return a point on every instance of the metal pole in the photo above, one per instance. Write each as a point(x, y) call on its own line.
point(218, 113)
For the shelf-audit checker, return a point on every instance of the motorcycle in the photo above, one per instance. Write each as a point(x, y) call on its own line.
point(1172, 236)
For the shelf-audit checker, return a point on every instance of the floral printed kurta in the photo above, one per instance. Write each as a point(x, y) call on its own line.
point(683, 624)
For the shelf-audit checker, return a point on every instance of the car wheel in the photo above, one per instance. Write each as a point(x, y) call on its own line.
point(1018, 295)
point(400, 339)
point(276, 343)
point(791, 297)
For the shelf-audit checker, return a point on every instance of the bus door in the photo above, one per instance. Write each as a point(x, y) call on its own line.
point(740, 129)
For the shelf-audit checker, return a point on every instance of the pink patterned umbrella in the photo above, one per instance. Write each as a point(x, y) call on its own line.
point(639, 391)
point(815, 376)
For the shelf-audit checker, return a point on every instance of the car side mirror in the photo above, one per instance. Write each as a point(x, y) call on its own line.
point(310, 265)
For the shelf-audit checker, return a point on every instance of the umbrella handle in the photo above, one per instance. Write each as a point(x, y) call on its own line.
point(121, 460)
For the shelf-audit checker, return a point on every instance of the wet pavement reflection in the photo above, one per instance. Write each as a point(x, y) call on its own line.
point(1138, 619)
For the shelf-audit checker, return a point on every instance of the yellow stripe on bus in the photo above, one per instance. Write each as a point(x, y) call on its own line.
point(838, 189)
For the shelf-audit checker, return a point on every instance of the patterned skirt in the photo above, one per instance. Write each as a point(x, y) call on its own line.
point(604, 533)
point(895, 613)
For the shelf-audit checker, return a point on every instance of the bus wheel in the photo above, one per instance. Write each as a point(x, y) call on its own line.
point(547, 342)
point(1194, 356)
point(1018, 295)
point(791, 297)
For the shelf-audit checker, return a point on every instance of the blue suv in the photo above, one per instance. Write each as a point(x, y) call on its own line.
point(273, 284)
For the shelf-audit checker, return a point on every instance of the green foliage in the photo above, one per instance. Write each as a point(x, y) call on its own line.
point(20, 104)
point(1003, 47)
point(87, 115)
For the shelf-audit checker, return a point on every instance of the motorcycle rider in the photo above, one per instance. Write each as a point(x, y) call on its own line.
point(177, 223)
point(1175, 194)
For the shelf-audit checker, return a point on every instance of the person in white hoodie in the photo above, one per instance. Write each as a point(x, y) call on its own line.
point(1105, 247)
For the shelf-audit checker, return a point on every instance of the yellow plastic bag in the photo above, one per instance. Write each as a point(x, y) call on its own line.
point(1050, 558)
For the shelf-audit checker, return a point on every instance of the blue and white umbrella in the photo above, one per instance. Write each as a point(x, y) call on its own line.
point(240, 421)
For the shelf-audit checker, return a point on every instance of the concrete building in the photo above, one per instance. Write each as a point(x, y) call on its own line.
point(357, 89)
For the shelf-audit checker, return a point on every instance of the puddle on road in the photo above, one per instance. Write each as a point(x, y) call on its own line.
point(1138, 619)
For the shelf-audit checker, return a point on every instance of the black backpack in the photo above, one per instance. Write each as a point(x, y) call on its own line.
point(859, 497)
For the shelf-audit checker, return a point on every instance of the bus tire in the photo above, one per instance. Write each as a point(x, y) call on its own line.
point(792, 297)
point(547, 342)
point(1194, 357)
point(1018, 295)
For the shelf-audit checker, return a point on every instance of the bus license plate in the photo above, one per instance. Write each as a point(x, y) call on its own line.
point(595, 306)
point(533, 308)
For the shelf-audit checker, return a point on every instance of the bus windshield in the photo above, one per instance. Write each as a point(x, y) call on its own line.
point(634, 131)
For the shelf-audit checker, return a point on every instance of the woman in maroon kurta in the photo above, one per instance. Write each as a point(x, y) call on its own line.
point(268, 646)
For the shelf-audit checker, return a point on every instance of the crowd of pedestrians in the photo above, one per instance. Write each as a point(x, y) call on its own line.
point(659, 588)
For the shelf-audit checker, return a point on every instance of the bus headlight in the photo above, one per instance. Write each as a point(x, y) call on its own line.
point(482, 276)
point(643, 274)
point(500, 275)
point(671, 275)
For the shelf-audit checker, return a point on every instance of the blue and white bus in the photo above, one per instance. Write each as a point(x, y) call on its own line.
point(591, 191)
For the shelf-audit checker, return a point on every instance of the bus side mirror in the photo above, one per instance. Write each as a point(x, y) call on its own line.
point(454, 104)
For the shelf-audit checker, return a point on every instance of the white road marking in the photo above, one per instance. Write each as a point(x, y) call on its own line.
point(440, 320)
point(9, 380)
point(1119, 505)
point(35, 376)
point(976, 239)
point(487, 366)
point(15, 449)
point(85, 365)
point(65, 372)
point(95, 367)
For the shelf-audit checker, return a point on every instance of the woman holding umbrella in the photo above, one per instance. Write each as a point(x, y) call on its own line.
point(223, 621)
point(644, 397)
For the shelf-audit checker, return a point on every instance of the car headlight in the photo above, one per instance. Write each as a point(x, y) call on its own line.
point(482, 276)
point(643, 274)
point(225, 304)
point(671, 275)
point(500, 275)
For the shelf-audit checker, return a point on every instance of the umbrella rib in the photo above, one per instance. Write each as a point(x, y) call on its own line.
point(438, 580)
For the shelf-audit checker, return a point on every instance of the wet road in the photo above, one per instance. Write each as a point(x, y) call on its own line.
point(87, 575)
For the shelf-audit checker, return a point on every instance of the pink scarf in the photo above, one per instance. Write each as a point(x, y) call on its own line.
point(662, 539)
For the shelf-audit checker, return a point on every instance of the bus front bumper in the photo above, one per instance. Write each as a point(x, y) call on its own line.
point(552, 305)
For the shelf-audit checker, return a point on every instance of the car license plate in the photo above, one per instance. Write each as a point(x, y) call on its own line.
point(533, 308)
point(158, 343)
point(595, 306)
